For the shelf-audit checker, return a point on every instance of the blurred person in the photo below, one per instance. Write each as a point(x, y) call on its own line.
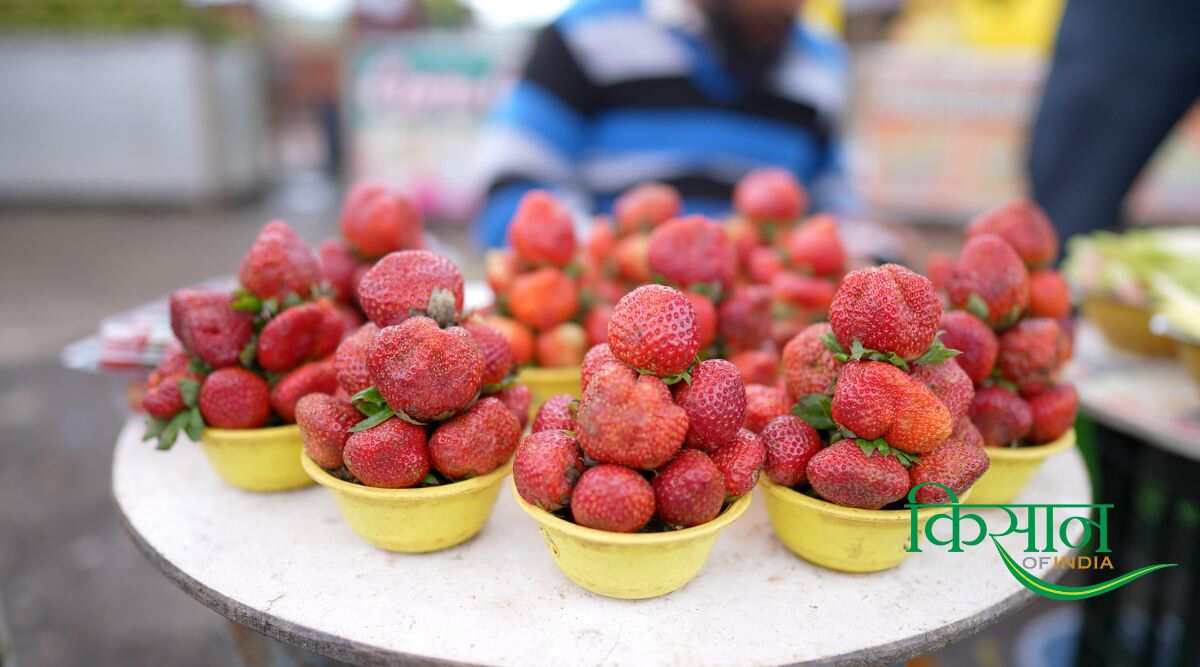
point(692, 93)
point(1122, 76)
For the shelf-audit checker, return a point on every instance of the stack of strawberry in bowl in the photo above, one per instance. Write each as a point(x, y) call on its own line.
point(631, 484)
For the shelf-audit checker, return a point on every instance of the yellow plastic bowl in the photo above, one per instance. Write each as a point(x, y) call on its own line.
point(256, 459)
point(840, 538)
point(546, 382)
point(630, 566)
point(414, 520)
point(1012, 467)
point(1127, 327)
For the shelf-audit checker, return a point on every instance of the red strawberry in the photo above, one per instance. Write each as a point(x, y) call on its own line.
point(632, 258)
point(844, 475)
point(561, 347)
point(1001, 416)
point(976, 343)
point(613, 498)
point(173, 362)
point(958, 463)
point(646, 206)
point(689, 490)
point(629, 419)
point(763, 264)
point(288, 338)
point(476, 442)
point(235, 398)
point(544, 298)
point(715, 403)
point(546, 468)
point(556, 414)
point(1053, 413)
point(279, 263)
point(1024, 226)
point(1031, 353)
point(541, 232)
point(318, 377)
point(745, 236)
point(706, 318)
point(744, 319)
point(990, 281)
point(938, 267)
point(653, 328)
point(596, 324)
point(692, 251)
point(209, 328)
point(740, 462)
point(950, 383)
point(816, 247)
point(184, 301)
point(763, 404)
point(497, 355)
point(809, 366)
point(411, 282)
point(376, 221)
point(770, 195)
point(423, 371)
point(596, 358)
point(887, 308)
point(350, 360)
point(338, 266)
point(790, 443)
point(392, 455)
point(164, 400)
point(802, 291)
point(336, 322)
point(877, 400)
point(757, 366)
point(1049, 295)
point(500, 269)
point(601, 241)
point(325, 423)
point(518, 399)
point(519, 337)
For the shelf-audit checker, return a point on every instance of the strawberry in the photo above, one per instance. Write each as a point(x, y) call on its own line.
point(164, 400)
point(208, 327)
point(809, 366)
point(1031, 353)
point(1024, 226)
point(235, 398)
point(958, 463)
point(764, 403)
point(950, 383)
point(556, 414)
point(887, 308)
point(740, 462)
point(706, 318)
point(519, 337)
point(543, 299)
point(185, 301)
point(770, 195)
point(546, 468)
point(1001, 416)
point(338, 266)
point(745, 236)
point(476, 442)
point(411, 282)
point(1053, 413)
point(336, 323)
point(541, 232)
point(423, 371)
point(938, 267)
point(629, 419)
point(744, 319)
point(561, 347)
point(715, 403)
point(287, 339)
point(632, 258)
point(877, 400)
point(325, 423)
point(990, 281)
point(816, 247)
point(757, 366)
point(600, 242)
point(645, 206)
point(653, 329)
point(1049, 295)
point(497, 355)
point(689, 490)
point(596, 358)
point(350, 359)
point(376, 221)
point(173, 362)
point(803, 291)
point(790, 443)
point(613, 498)
point(392, 455)
point(975, 342)
point(317, 377)
point(845, 475)
point(500, 269)
point(692, 251)
point(763, 263)
point(595, 323)
point(517, 398)
point(279, 263)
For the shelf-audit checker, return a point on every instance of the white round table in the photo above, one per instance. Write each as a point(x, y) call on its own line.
point(287, 565)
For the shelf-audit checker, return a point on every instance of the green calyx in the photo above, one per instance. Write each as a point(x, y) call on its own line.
point(937, 352)
point(166, 431)
point(442, 307)
point(858, 352)
point(816, 410)
point(977, 306)
point(684, 376)
point(372, 404)
point(870, 447)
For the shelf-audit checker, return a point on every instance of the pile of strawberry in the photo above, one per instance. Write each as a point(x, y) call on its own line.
point(421, 397)
point(1012, 325)
point(248, 357)
point(657, 441)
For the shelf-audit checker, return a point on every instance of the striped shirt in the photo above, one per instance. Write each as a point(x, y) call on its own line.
point(617, 92)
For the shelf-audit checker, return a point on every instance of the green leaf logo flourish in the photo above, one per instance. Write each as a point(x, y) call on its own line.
point(1059, 592)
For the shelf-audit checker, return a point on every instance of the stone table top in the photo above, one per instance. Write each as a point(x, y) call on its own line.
point(288, 566)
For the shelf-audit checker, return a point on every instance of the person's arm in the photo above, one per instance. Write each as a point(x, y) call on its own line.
point(534, 135)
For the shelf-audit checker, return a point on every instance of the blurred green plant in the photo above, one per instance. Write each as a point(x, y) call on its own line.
point(111, 16)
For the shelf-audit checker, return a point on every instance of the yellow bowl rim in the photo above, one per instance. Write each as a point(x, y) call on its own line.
point(1033, 452)
point(250, 433)
point(548, 520)
point(320, 476)
point(538, 373)
point(794, 497)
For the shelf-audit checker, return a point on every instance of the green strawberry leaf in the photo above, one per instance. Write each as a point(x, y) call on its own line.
point(710, 290)
point(1011, 317)
point(249, 353)
point(573, 270)
point(195, 425)
point(831, 343)
point(170, 432)
point(857, 350)
point(430, 480)
point(245, 301)
point(907, 460)
point(273, 377)
point(499, 386)
point(189, 390)
point(937, 353)
point(887, 358)
point(291, 299)
point(368, 396)
point(658, 279)
point(198, 367)
point(836, 437)
point(977, 306)
point(373, 420)
point(270, 307)
point(815, 409)
point(869, 447)
point(154, 427)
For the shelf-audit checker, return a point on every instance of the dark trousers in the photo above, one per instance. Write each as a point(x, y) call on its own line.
point(1124, 72)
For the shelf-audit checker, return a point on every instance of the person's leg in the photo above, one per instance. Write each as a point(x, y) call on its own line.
point(1123, 74)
